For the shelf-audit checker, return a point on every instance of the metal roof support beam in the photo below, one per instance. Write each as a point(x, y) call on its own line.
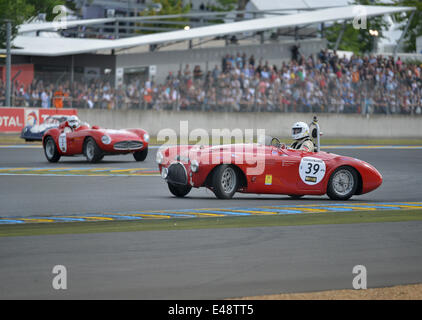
point(116, 29)
point(340, 36)
point(8, 61)
point(403, 34)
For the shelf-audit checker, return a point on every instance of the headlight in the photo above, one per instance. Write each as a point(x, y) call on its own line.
point(105, 139)
point(164, 173)
point(146, 137)
point(159, 157)
point(194, 166)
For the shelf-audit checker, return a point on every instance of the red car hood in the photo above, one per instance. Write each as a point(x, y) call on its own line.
point(120, 134)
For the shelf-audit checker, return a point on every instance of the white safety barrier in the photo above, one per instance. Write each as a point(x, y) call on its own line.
point(275, 124)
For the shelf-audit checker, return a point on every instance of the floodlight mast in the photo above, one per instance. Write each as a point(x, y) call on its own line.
point(8, 60)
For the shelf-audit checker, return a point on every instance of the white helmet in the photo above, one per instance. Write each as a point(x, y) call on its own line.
point(300, 130)
point(74, 122)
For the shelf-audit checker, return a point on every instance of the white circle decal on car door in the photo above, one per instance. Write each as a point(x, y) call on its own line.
point(311, 170)
point(62, 142)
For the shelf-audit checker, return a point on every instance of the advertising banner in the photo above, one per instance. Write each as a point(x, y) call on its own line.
point(12, 119)
point(15, 119)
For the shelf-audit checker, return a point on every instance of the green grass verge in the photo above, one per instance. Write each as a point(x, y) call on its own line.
point(210, 223)
point(11, 139)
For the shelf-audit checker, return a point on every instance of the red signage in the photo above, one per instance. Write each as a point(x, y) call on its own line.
point(15, 119)
point(45, 113)
point(12, 119)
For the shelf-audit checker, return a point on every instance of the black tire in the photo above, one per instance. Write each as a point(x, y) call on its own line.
point(91, 150)
point(295, 196)
point(225, 181)
point(50, 150)
point(333, 188)
point(141, 155)
point(179, 190)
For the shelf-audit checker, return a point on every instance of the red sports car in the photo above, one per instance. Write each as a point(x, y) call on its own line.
point(265, 169)
point(74, 137)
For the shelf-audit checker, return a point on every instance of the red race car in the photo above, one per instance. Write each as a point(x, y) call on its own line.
point(265, 169)
point(74, 137)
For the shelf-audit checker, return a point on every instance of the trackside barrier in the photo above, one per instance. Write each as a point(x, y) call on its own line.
point(277, 124)
point(15, 119)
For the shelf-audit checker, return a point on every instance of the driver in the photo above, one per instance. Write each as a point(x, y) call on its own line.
point(74, 123)
point(300, 133)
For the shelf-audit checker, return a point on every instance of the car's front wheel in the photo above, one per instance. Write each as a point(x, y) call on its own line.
point(179, 190)
point(225, 182)
point(140, 155)
point(343, 183)
point(50, 150)
point(92, 152)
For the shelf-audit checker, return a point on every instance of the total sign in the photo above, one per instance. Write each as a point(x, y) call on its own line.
point(15, 119)
point(12, 119)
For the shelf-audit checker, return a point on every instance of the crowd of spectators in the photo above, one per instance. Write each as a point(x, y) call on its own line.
point(321, 83)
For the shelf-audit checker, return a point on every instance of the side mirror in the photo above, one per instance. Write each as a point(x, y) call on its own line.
point(314, 133)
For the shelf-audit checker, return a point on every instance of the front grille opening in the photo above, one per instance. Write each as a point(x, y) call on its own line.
point(128, 145)
point(177, 174)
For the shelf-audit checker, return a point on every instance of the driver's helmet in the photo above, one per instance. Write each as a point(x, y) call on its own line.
point(74, 122)
point(300, 130)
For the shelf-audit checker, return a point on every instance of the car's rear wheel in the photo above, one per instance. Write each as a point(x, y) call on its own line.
point(50, 150)
point(141, 155)
point(342, 183)
point(179, 190)
point(92, 152)
point(225, 181)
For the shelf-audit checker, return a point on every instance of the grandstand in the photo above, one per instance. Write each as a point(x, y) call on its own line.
point(104, 62)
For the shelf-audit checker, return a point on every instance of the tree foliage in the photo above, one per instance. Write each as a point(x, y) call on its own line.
point(415, 27)
point(18, 11)
point(359, 41)
point(168, 7)
point(46, 6)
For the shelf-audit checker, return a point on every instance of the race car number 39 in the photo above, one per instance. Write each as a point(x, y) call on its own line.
point(311, 170)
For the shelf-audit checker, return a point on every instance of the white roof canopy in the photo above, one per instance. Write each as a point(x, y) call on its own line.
point(44, 26)
point(40, 46)
point(297, 4)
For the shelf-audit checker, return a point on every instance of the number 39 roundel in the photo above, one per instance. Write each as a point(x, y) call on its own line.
point(311, 170)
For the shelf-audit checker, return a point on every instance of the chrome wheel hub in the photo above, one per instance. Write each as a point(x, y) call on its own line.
point(228, 180)
point(343, 182)
point(49, 148)
point(90, 150)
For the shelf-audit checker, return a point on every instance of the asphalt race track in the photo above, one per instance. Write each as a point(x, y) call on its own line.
point(35, 195)
point(195, 264)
